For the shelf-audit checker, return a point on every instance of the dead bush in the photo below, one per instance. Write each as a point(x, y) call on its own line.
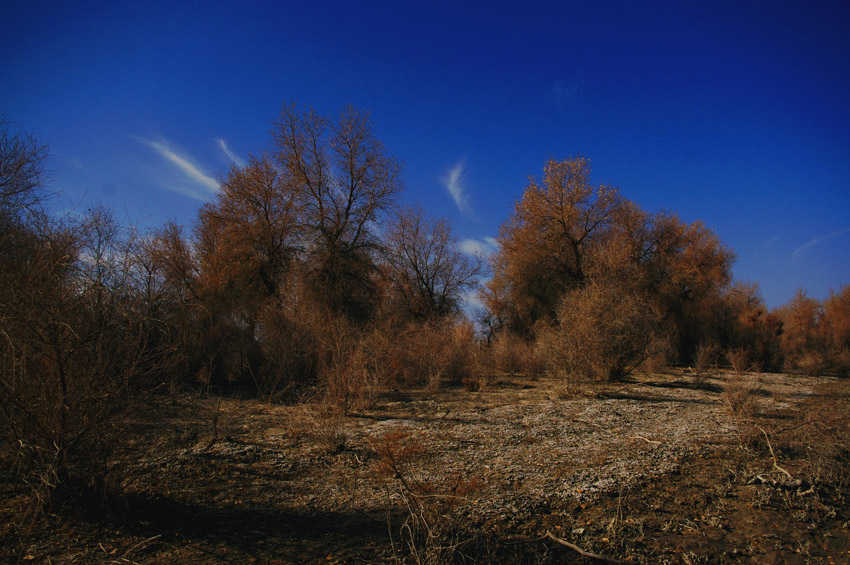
point(658, 357)
point(705, 357)
point(509, 353)
point(601, 333)
point(341, 364)
point(435, 354)
point(78, 358)
point(318, 425)
point(822, 435)
point(742, 398)
point(803, 339)
point(287, 352)
point(739, 361)
point(810, 363)
point(461, 352)
point(836, 324)
point(431, 523)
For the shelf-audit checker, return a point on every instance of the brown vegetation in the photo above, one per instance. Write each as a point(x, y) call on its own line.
point(304, 282)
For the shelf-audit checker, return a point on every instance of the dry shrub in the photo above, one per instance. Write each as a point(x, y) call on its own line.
point(803, 341)
point(658, 357)
point(431, 525)
point(342, 365)
point(836, 327)
point(602, 332)
point(705, 357)
point(741, 396)
point(352, 364)
point(509, 353)
point(319, 426)
point(842, 361)
point(288, 354)
point(810, 363)
point(435, 354)
point(305, 344)
point(825, 435)
point(462, 354)
point(739, 361)
point(571, 385)
point(475, 384)
point(78, 360)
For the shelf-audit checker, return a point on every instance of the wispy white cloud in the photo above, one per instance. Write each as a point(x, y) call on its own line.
point(816, 240)
point(77, 164)
point(484, 247)
point(230, 154)
point(771, 242)
point(185, 165)
point(471, 301)
point(454, 183)
point(187, 190)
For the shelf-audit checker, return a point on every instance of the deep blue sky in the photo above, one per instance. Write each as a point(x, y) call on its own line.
point(735, 113)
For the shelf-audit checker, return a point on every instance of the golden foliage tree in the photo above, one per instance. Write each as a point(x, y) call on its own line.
point(746, 327)
point(836, 323)
point(544, 247)
point(565, 233)
point(249, 236)
point(803, 343)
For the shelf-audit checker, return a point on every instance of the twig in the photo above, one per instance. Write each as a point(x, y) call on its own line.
point(775, 462)
point(584, 553)
point(647, 440)
point(141, 544)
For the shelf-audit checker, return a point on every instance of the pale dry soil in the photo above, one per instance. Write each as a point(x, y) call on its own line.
point(659, 469)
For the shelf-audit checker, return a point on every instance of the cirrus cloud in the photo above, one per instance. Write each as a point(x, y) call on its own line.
point(185, 165)
point(455, 184)
point(485, 247)
point(239, 161)
point(815, 240)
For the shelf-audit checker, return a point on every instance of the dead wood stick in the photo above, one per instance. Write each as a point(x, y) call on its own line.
point(141, 544)
point(584, 553)
point(647, 440)
point(772, 454)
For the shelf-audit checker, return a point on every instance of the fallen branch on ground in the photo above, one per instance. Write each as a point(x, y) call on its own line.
point(647, 440)
point(139, 545)
point(584, 553)
point(775, 462)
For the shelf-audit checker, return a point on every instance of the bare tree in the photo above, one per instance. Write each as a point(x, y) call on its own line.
point(427, 271)
point(346, 182)
point(22, 160)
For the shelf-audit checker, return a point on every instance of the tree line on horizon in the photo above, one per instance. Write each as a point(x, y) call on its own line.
point(306, 274)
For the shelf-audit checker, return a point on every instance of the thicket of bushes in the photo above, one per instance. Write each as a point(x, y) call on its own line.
point(285, 283)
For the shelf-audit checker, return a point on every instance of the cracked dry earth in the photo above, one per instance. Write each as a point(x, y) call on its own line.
point(654, 470)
